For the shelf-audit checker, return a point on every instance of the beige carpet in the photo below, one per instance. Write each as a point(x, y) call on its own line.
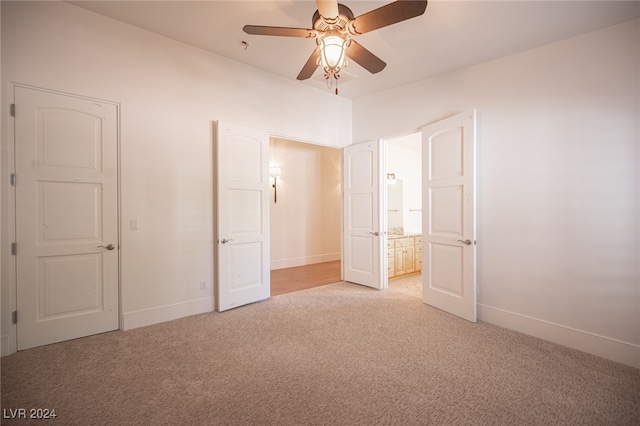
point(340, 354)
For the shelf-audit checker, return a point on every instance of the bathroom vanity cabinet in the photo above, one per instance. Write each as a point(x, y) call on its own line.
point(404, 254)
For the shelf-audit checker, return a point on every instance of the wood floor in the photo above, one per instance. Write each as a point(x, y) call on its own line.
point(288, 280)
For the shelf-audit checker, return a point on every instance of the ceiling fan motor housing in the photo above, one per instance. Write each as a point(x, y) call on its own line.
point(320, 23)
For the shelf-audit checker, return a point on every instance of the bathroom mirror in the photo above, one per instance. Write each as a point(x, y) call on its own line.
point(395, 207)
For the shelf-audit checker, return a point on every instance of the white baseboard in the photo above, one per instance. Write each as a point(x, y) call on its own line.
point(605, 347)
point(5, 347)
point(165, 313)
point(305, 260)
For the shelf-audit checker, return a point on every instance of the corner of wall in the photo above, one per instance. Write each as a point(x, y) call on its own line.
point(605, 347)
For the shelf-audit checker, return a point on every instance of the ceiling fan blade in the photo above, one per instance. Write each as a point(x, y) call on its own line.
point(389, 14)
point(310, 67)
point(365, 58)
point(279, 31)
point(328, 8)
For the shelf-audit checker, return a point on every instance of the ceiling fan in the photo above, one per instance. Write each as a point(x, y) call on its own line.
point(334, 27)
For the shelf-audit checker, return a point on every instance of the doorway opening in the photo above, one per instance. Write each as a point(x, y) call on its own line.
point(404, 213)
point(305, 215)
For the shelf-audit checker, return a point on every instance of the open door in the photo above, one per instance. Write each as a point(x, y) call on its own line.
point(449, 228)
point(242, 227)
point(364, 259)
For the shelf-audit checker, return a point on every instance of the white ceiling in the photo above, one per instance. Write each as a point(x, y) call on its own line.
point(450, 35)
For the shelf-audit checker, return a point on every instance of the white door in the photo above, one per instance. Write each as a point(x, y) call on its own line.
point(364, 257)
point(242, 229)
point(67, 217)
point(449, 250)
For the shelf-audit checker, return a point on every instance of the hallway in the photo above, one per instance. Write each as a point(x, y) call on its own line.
point(288, 280)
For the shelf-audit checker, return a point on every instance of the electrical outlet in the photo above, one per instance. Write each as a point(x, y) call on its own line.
point(133, 224)
point(203, 285)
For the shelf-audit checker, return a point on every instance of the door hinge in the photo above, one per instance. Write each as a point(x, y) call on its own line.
point(14, 179)
point(12, 110)
point(14, 317)
point(14, 248)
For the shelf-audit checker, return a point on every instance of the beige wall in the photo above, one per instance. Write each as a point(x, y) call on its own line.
point(306, 220)
point(558, 183)
point(169, 94)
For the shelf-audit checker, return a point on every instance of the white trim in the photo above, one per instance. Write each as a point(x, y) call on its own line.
point(6, 348)
point(605, 347)
point(165, 313)
point(305, 260)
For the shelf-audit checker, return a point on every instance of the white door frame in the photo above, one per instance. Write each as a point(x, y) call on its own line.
point(475, 191)
point(9, 343)
point(384, 194)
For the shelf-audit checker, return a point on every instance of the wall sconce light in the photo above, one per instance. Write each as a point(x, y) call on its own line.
point(391, 178)
point(275, 172)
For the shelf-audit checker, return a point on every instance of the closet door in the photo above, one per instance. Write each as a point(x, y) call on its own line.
point(67, 217)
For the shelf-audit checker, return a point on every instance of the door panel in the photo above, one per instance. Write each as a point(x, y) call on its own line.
point(446, 211)
point(71, 285)
point(66, 199)
point(365, 257)
point(445, 275)
point(449, 251)
point(242, 230)
point(69, 211)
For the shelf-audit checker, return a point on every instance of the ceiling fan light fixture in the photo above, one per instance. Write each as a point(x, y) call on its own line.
point(333, 46)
